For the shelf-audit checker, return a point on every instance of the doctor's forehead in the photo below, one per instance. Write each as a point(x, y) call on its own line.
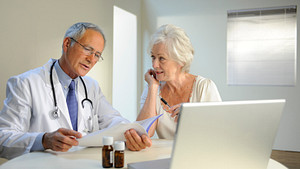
point(93, 39)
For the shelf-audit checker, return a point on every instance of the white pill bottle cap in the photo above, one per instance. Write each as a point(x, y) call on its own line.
point(119, 145)
point(107, 140)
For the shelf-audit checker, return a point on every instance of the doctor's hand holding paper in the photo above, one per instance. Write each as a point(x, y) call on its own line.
point(51, 106)
point(169, 82)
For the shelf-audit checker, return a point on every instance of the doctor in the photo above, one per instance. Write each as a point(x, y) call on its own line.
point(48, 107)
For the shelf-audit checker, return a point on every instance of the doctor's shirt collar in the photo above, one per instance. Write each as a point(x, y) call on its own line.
point(64, 79)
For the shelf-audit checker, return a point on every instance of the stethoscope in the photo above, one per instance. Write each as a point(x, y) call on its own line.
point(56, 113)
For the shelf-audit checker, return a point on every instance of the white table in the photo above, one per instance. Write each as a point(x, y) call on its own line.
point(91, 158)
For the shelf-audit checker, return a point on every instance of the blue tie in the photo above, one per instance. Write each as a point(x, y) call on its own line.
point(72, 105)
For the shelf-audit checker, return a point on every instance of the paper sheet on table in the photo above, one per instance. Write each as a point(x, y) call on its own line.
point(117, 132)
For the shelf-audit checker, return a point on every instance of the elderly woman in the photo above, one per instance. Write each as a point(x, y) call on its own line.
point(172, 54)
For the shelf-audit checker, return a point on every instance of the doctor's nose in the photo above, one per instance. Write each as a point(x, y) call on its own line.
point(95, 56)
point(91, 58)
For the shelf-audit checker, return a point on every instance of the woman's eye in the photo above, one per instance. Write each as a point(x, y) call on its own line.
point(162, 59)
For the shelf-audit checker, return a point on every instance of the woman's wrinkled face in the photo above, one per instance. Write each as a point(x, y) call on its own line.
point(166, 69)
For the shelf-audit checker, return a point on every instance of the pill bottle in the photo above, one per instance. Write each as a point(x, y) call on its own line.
point(107, 152)
point(119, 154)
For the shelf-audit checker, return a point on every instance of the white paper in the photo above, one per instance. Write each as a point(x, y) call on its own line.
point(117, 132)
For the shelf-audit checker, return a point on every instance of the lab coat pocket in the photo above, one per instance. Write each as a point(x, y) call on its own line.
point(88, 118)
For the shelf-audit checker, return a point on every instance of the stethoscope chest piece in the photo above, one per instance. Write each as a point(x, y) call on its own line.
point(55, 113)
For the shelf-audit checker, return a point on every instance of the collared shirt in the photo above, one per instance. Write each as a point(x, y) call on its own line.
point(64, 79)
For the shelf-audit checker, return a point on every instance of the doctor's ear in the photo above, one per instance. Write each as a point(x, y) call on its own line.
point(66, 43)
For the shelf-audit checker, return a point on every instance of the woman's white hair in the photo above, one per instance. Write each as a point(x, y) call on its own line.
point(177, 43)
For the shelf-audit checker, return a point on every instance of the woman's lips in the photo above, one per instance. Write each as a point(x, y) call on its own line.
point(158, 72)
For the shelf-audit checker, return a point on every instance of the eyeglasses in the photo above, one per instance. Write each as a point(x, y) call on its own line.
point(90, 51)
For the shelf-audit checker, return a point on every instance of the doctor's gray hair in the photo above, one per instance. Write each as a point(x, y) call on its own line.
point(77, 30)
point(177, 43)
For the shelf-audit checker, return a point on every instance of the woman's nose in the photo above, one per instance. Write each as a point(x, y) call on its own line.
point(155, 63)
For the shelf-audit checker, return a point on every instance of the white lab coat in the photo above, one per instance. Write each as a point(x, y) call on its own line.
point(29, 105)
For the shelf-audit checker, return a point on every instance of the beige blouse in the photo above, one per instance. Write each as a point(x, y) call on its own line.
point(204, 90)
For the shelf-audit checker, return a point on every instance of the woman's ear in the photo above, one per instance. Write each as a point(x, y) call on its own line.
point(180, 66)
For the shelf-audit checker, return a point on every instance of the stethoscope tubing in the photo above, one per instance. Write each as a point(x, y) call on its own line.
point(53, 90)
point(56, 114)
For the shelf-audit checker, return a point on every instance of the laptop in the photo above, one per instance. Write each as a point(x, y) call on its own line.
point(223, 135)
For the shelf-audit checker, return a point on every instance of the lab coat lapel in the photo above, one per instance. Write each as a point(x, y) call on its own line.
point(81, 115)
point(64, 119)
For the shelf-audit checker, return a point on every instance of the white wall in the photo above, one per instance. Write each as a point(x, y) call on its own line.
point(134, 7)
point(125, 59)
point(206, 22)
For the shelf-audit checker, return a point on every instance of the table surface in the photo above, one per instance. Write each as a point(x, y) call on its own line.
point(79, 157)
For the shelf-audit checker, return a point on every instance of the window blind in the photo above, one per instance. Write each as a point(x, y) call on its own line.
point(261, 46)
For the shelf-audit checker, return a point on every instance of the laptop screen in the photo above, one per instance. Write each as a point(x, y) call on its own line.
point(235, 134)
